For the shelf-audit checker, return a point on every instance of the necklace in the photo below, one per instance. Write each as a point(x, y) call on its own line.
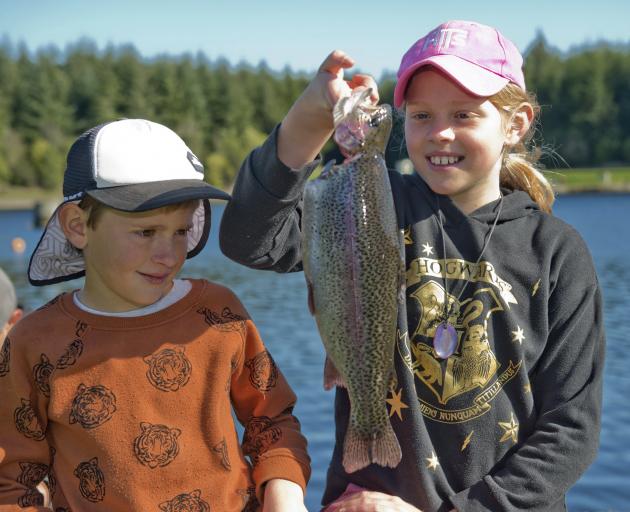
point(445, 337)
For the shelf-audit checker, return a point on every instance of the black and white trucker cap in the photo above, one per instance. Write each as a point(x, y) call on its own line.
point(131, 165)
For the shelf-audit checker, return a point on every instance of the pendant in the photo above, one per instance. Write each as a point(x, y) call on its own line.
point(445, 340)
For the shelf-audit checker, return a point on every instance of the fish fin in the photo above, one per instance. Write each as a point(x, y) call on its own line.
point(327, 169)
point(381, 448)
point(332, 377)
point(311, 300)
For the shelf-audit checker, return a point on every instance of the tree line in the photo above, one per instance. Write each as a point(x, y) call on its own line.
point(222, 111)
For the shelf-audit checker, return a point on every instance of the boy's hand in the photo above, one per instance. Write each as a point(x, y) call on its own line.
point(309, 123)
point(283, 496)
point(371, 501)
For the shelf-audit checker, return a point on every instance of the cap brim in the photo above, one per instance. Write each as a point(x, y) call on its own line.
point(148, 196)
point(470, 77)
point(56, 260)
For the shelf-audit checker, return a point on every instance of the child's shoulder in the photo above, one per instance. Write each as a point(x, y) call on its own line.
point(44, 326)
point(218, 297)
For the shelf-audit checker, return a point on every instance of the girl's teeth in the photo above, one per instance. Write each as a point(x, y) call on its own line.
point(444, 160)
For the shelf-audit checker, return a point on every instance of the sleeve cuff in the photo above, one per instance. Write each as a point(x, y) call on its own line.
point(477, 498)
point(274, 176)
point(281, 466)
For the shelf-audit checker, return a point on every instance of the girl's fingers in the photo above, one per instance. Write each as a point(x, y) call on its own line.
point(359, 81)
point(336, 62)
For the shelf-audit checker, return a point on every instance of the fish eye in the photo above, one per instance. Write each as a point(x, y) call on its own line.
point(375, 121)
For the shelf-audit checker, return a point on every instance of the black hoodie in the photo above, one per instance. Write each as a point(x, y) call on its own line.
point(511, 420)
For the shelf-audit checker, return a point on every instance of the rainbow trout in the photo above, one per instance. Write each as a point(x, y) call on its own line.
point(354, 272)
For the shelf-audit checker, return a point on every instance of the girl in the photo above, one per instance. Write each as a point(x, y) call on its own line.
point(500, 347)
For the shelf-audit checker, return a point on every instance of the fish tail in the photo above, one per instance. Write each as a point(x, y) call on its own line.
point(380, 448)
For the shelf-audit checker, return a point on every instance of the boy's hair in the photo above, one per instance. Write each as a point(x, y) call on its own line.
point(95, 208)
point(518, 169)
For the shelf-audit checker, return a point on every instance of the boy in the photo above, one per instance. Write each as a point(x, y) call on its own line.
point(121, 392)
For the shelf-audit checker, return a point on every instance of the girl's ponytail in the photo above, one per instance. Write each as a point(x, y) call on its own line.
point(519, 171)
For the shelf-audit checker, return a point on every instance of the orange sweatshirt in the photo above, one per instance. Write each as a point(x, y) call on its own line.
point(135, 414)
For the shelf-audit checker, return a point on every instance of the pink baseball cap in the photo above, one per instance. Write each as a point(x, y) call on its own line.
point(475, 56)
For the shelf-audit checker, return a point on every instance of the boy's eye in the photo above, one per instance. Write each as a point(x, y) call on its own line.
point(146, 233)
point(420, 115)
point(184, 231)
point(463, 115)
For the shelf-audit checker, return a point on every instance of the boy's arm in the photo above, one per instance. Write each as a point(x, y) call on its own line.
point(24, 451)
point(263, 403)
point(283, 495)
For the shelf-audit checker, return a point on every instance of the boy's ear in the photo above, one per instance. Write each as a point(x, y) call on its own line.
point(519, 124)
point(73, 221)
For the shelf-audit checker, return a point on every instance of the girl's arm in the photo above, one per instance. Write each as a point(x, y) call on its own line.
point(260, 227)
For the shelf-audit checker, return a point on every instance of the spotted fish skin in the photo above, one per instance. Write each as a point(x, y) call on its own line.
point(353, 267)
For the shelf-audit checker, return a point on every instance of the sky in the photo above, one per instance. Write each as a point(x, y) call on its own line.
point(300, 33)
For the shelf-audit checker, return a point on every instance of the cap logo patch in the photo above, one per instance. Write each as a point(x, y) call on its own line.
point(196, 163)
point(444, 38)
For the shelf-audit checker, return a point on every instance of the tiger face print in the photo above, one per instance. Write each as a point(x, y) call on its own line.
point(92, 406)
point(4, 357)
point(32, 498)
point(41, 374)
point(80, 328)
point(186, 503)
point(70, 356)
point(91, 480)
point(156, 445)
point(226, 321)
point(26, 421)
point(169, 369)
point(263, 372)
point(259, 436)
point(32, 473)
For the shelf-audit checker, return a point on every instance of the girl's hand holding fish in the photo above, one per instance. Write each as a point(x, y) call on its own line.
point(309, 123)
point(371, 501)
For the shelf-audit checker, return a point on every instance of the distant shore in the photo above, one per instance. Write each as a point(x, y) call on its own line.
point(47, 201)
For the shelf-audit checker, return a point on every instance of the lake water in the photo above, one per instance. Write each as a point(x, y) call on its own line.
point(278, 305)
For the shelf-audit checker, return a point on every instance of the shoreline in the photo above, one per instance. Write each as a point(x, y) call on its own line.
point(48, 204)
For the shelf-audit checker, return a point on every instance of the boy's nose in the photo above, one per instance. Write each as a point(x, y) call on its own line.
point(166, 252)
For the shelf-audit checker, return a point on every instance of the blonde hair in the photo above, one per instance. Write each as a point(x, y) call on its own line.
point(518, 169)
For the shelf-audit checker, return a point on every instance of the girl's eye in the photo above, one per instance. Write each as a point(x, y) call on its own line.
point(420, 116)
point(466, 115)
point(145, 233)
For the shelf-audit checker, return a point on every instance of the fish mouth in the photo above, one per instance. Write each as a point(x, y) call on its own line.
point(345, 106)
